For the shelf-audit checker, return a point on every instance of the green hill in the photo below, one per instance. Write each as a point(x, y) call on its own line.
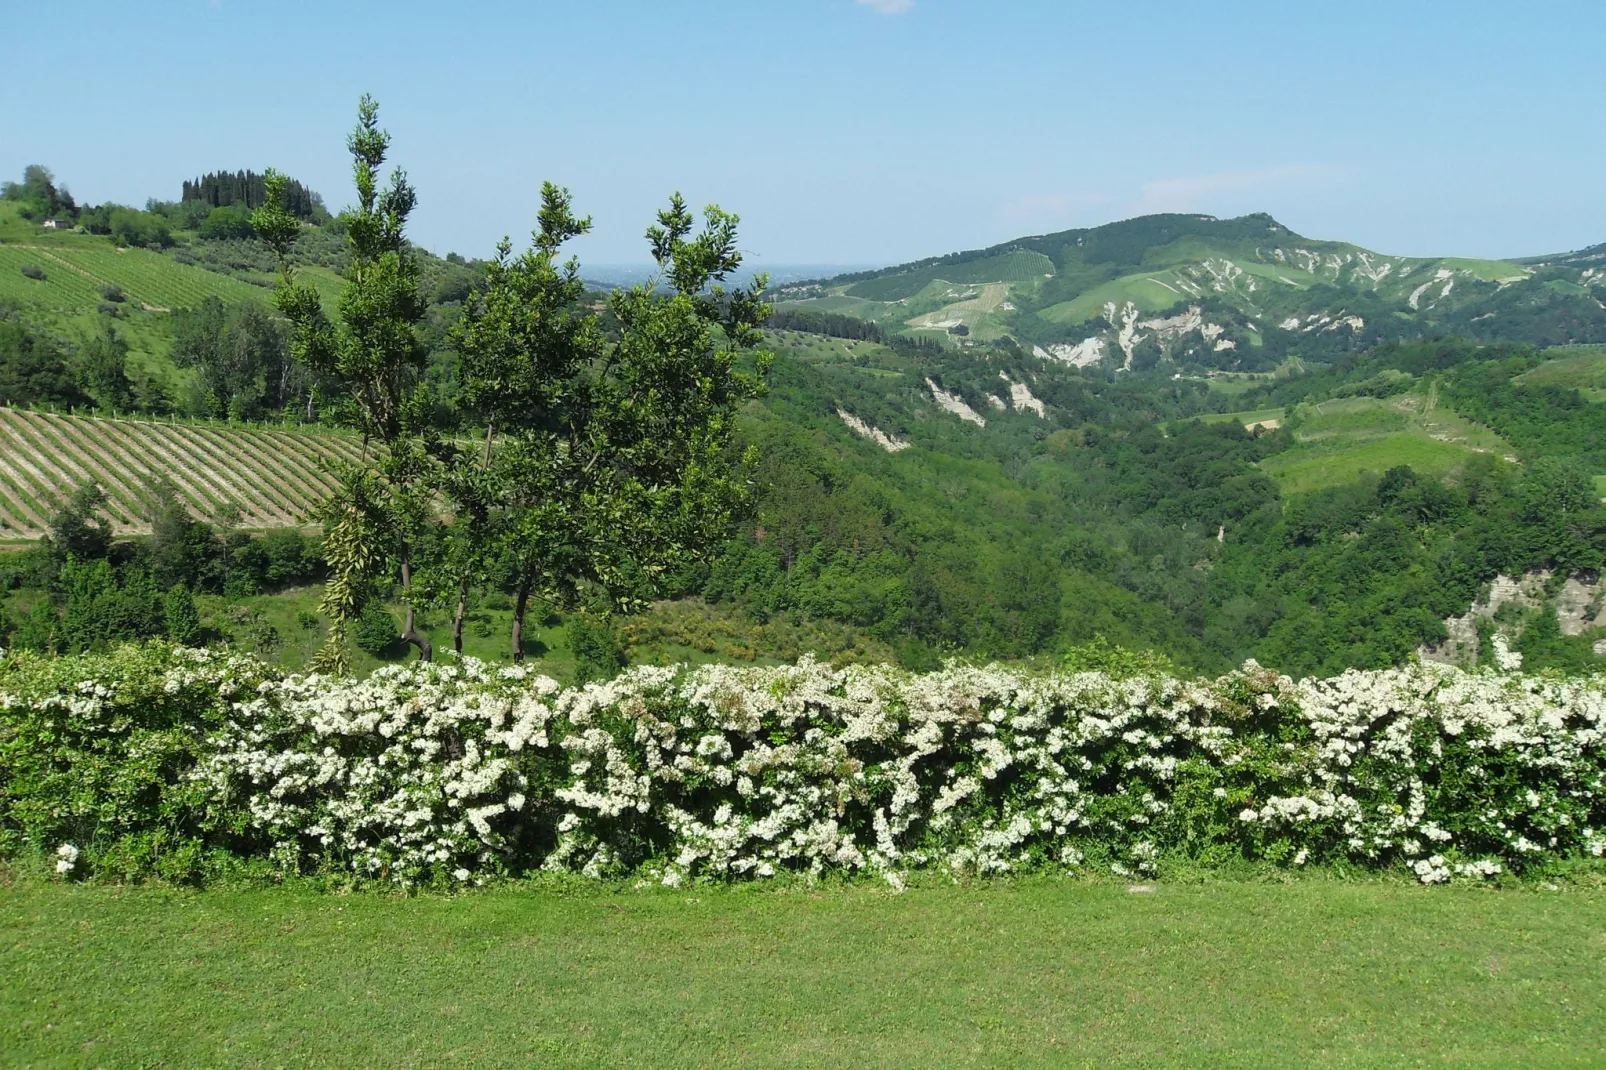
point(1196, 292)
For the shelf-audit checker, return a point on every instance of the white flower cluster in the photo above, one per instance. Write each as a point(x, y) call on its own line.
point(411, 771)
point(456, 771)
point(1454, 772)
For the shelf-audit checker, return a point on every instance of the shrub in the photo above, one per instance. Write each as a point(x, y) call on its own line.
point(98, 752)
point(375, 630)
point(597, 653)
point(457, 772)
point(34, 271)
point(113, 293)
point(181, 617)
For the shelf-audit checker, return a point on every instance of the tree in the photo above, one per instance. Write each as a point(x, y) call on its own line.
point(33, 370)
point(39, 196)
point(130, 226)
point(243, 365)
point(373, 360)
point(101, 608)
point(101, 368)
point(248, 190)
point(227, 224)
point(40, 630)
point(182, 619)
point(614, 464)
point(181, 549)
point(78, 530)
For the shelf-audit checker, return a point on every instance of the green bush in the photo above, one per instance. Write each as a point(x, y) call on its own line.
point(375, 630)
point(98, 752)
point(182, 619)
point(174, 763)
point(597, 653)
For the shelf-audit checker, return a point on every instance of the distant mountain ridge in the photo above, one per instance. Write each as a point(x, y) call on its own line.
point(1230, 294)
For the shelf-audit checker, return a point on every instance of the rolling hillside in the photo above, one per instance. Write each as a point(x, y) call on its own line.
point(1199, 292)
point(275, 477)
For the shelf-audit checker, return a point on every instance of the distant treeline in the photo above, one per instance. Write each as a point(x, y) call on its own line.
point(222, 189)
point(830, 323)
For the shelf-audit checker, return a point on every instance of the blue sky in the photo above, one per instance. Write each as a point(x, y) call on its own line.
point(852, 131)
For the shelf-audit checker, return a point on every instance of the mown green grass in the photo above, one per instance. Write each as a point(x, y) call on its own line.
point(1021, 973)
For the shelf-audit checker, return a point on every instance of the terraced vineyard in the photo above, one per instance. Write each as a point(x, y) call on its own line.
point(275, 477)
point(75, 274)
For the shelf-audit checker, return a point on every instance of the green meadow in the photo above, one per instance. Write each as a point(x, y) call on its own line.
point(1029, 972)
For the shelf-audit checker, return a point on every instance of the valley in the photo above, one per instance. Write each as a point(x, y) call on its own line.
point(1123, 432)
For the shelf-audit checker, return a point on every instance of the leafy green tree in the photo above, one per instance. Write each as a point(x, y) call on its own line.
point(40, 630)
point(100, 608)
point(130, 226)
point(242, 363)
point(181, 549)
point(232, 223)
point(182, 619)
point(33, 370)
point(615, 464)
point(101, 369)
point(78, 529)
point(373, 360)
point(39, 195)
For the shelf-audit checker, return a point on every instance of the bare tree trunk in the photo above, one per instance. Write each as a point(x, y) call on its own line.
point(518, 619)
point(462, 611)
point(410, 633)
point(462, 587)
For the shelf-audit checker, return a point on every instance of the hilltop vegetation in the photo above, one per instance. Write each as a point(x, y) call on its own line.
point(125, 276)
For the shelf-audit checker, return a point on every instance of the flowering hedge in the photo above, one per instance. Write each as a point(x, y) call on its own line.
point(160, 759)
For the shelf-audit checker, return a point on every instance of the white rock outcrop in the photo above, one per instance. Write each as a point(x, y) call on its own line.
point(954, 403)
point(874, 434)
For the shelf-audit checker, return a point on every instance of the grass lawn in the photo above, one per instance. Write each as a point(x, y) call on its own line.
point(1028, 972)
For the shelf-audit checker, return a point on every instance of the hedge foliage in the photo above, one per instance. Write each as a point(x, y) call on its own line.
point(169, 762)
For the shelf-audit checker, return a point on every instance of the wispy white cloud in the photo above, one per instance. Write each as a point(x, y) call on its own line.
point(1196, 192)
point(1051, 207)
point(1221, 192)
point(887, 7)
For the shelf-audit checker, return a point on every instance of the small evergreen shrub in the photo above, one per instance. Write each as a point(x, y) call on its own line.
point(596, 649)
point(375, 630)
point(33, 271)
point(182, 619)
